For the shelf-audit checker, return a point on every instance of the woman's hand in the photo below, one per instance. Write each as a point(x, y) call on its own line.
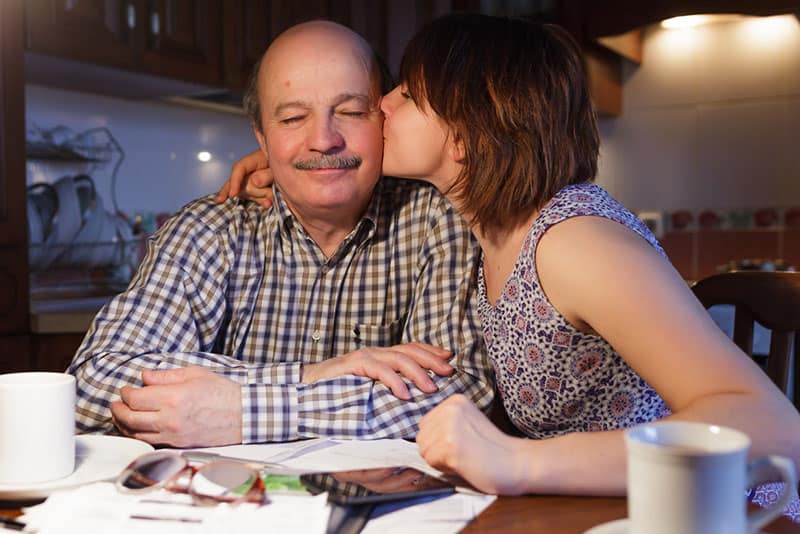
point(250, 178)
point(456, 437)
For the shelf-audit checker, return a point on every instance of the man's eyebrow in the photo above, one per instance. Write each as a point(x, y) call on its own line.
point(280, 108)
point(338, 100)
point(359, 97)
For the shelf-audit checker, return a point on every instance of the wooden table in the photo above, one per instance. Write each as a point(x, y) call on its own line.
point(551, 515)
point(566, 515)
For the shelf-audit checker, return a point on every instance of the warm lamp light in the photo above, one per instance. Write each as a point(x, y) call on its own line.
point(690, 21)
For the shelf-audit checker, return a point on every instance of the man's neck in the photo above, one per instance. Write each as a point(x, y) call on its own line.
point(326, 234)
point(328, 227)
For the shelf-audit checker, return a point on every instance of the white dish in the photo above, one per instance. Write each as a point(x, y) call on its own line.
point(619, 526)
point(97, 457)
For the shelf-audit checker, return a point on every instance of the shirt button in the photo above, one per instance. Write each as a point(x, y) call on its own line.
point(316, 335)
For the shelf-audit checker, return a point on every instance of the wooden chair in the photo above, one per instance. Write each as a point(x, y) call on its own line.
point(772, 299)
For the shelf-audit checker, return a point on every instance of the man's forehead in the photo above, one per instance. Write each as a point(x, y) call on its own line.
point(318, 62)
point(310, 83)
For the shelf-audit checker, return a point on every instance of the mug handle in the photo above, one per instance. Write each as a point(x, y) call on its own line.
point(763, 470)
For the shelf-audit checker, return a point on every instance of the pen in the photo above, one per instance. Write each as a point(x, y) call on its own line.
point(11, 523)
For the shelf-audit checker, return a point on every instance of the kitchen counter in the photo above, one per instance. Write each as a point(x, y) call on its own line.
point(65, 316)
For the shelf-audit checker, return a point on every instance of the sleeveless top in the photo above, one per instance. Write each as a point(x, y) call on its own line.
point(553, 378)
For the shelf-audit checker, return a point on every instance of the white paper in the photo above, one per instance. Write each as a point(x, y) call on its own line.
point(272, 452)
point(363, 454)
point(443, 515)
point(101, 508)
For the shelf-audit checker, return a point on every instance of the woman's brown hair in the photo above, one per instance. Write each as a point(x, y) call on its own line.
point(514, 93)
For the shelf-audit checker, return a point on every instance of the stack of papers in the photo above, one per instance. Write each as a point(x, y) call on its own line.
point(100, 508)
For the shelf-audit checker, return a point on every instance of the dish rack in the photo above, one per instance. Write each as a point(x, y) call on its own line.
point(76, 273)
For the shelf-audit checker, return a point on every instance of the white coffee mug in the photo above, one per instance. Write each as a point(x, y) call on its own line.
point(692, 478)
point(37, 427)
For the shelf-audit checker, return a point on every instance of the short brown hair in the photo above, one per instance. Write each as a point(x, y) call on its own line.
point(514, 93)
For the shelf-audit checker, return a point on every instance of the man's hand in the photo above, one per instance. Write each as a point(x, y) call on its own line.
point(250, 178)
point(185, 407)
point(383, 364)
point(457, 437)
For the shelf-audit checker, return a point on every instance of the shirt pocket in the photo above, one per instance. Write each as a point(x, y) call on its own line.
point(377, 335)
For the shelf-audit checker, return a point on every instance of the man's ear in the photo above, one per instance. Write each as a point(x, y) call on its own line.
point(262, 141)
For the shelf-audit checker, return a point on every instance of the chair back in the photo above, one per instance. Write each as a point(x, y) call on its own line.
point(772, 299)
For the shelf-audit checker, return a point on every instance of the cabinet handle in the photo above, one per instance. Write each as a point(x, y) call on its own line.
point(131, 16)
point(155, 23)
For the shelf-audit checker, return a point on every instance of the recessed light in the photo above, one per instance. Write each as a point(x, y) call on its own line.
point(204, 156)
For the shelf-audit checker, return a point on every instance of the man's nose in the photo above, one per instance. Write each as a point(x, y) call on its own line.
point(325, 135)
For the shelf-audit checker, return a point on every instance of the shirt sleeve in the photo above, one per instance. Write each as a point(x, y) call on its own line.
point(173, 314)
point(443, 313)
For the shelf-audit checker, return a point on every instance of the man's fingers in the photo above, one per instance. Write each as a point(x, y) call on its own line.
point(142, 399)
point(133, 421)
point(151, 377)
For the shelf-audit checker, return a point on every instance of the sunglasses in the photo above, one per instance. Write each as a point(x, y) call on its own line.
point(214, 482)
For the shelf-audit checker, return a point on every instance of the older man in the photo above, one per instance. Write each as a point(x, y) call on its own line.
point(334, 313)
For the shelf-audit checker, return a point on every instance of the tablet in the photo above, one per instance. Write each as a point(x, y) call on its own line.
point(362, 486)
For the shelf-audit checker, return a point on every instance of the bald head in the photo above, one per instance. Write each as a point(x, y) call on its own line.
point(320, 42)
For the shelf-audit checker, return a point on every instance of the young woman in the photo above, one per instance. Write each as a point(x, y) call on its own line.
point(589, 327)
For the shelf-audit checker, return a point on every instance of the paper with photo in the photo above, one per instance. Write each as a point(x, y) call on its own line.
point(100, 507)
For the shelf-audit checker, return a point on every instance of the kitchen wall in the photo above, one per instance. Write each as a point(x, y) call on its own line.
point(710, 119)
point(161, 141)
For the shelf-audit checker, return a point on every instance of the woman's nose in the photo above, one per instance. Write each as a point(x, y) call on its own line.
point(389, 101)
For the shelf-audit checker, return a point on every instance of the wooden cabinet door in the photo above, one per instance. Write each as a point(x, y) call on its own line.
point(98, 31)
point(250, 25)
point(184, 40)
point(14, 347)
point(246, 34)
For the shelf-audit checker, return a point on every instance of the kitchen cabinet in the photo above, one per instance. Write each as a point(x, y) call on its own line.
point(14, 338)
point(249, 26)
point(173, 38)
point(208, 42)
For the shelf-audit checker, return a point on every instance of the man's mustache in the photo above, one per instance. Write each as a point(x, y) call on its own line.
point(328, 162)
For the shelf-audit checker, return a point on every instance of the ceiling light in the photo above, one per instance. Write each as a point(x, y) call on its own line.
point(204, 156)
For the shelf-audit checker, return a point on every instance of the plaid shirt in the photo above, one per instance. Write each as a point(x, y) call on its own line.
point(246, 293)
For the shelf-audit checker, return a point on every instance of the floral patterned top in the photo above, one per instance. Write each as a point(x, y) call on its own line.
point(553, 378)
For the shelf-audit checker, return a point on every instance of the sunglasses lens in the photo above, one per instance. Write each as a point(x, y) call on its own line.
point(151, 470)
point(228, 481)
